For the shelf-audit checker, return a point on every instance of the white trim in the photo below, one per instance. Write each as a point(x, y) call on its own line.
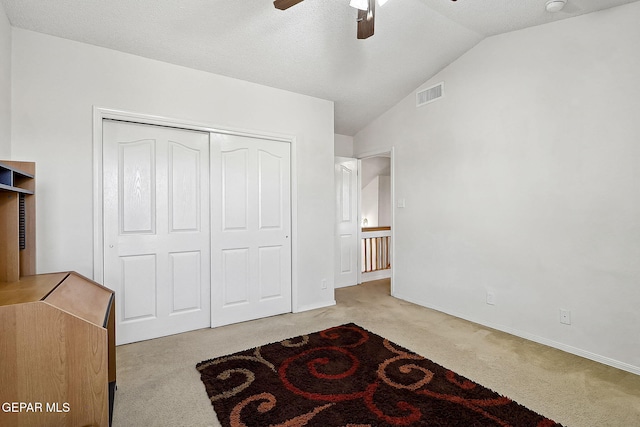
point(359, 232)
point(101, 113)
point(393, 219)
point(294, 225)
point(377, 275)
point(129, 116)
point(531, 337)
point(376, 153)
point(98, 200)
point(378, 233)
point(316, 306)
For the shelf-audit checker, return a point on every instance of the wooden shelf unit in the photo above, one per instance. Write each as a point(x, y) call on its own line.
point(17, 220)
point(57, 349)
point(57, 331)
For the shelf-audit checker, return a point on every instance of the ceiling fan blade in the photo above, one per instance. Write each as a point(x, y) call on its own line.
point(285, 4)
point(366, 20)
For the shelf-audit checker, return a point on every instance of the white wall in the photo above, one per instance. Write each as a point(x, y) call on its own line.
point(384, 201)
point(375, 201)
point(376, 190)
point(343, 145)
point(525, 180)
point(5, 86)
point(57, 82)
point(369, 202)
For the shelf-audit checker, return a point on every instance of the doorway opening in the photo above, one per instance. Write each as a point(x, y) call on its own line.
point(375, 217)
point(364, 218)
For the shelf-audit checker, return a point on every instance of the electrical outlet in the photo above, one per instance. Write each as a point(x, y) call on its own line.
point(565, 317)
point(491, 298)
point(323, 283)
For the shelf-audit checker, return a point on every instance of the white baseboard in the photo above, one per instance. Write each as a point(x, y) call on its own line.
point(376, 275)
point(535, 338)
point(315, 306)
point(344, 286)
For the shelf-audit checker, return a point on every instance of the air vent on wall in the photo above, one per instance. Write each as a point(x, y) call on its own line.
point(430, 94)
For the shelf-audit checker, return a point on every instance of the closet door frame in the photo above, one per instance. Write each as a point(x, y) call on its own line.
point(101, 113)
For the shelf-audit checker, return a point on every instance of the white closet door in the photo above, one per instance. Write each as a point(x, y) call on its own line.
point(251, 228)
point(156, 229)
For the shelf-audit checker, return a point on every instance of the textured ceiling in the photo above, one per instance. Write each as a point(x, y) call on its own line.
point(310, 48)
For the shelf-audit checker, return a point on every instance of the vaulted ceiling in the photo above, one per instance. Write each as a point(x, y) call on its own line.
point(310, 48)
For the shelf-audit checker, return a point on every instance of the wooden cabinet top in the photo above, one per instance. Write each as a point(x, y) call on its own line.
point(83, 298)
point(67, 291)
point(29, 288)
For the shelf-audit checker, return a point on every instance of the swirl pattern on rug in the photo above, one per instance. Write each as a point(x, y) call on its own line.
point(349, 377)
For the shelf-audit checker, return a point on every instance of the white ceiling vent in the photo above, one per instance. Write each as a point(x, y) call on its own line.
point(430, 94)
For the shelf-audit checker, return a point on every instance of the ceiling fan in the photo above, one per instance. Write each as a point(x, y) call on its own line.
point(366, 13)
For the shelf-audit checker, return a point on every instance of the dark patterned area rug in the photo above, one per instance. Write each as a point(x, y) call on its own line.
point(349, 377)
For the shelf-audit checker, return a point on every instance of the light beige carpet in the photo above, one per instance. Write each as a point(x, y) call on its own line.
point(158, 384)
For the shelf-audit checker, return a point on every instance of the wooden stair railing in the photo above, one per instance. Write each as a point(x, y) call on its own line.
point(376, 249)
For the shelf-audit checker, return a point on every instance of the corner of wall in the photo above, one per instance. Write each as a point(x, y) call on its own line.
point(343, 145)
point(520, 194)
